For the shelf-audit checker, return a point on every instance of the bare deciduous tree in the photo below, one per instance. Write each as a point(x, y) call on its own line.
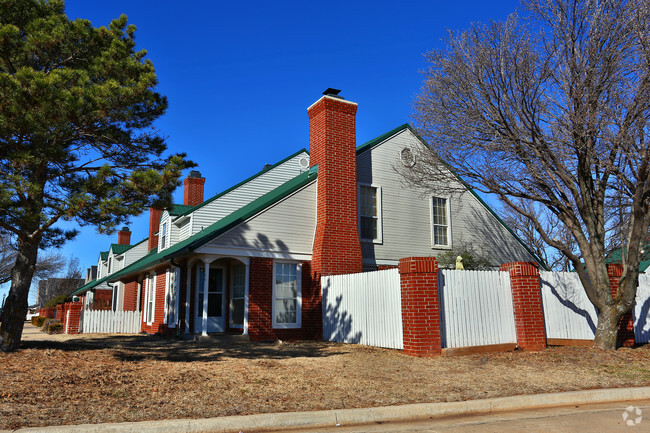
point(551, 109)
point(48, 265)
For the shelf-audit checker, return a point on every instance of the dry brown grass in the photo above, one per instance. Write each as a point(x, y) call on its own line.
point(98, 378)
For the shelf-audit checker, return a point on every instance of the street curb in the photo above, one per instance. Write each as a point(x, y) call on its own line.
point(348, 417)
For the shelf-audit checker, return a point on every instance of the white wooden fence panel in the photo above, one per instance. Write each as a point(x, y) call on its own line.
point(106, 321)
point(568, 313)
point(642, 310)
point(476, 308)
point(363, 308)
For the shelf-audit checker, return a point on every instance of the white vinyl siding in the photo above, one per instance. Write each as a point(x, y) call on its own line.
point(244, 194)
point(406, 214)
point(136, 253)
point(288, 226)
point(184, 230)
point(369, 213)
point(163, 237)
point(287, 295)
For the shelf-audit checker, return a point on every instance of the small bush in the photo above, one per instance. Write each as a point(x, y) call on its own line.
point(38, 321)
point(55, 328)
point(61, 299)
point(46, 324)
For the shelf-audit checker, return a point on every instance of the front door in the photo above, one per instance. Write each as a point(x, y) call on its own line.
point(216, 284)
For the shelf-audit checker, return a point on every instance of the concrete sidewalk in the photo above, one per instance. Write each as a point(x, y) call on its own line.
point(350, 417)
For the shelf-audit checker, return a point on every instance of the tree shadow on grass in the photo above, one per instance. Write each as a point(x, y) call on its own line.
point(133, 348)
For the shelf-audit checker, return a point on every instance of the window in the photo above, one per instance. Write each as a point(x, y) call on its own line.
point(287, 296)
point(151, 281)
point(110, 265)
point(237, 296)
point(116, 294)
point(440, 232)
point(163, 237)
point(370, 213)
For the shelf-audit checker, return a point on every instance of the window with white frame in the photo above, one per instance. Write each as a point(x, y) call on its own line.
point(163, 236)
point(287, 295)
point(440, 230)
point(110, 265)
point(150, 299)
point(370, 213)
point(116, 294)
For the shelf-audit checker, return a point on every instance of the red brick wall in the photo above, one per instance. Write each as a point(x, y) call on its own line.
point(625, 335)
point(420, 307)
point(103, 300)
point(130, 295)
point(47, 312)
point(527, 304)
point(154, 226)
point(157, 326)
point(332, 142)
point(72, 316)
point(193, 192)
point(260, 304)
point(124, 237)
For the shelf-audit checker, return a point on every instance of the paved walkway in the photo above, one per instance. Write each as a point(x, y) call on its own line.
point(32, 333)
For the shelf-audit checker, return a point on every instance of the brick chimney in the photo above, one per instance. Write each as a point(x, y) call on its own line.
point(193, 194)
point(154, 226)
point(124, 236)
point(332, 145)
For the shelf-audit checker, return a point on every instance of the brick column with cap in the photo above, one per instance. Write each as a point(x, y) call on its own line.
point(527, 304)
point(625, 335)
point(420, 306)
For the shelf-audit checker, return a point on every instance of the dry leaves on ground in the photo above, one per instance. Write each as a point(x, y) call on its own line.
point(99, 378)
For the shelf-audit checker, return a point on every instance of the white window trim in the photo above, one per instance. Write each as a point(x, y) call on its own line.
point(230, 296)
point(448, 210)
point(151, 289)
point(380, 231)
point(166, 304)
point(164, 234)
point(298, 323)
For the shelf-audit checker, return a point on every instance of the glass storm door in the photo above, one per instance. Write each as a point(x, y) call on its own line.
point(216, 284)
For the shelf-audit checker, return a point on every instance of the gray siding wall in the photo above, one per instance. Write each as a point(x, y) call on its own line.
point(184, 230)
point(287, 227)
point(407, 217)
point(136, 253)
point(239, 197)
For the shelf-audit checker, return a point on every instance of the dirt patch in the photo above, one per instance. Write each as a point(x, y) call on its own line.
point(100, 378)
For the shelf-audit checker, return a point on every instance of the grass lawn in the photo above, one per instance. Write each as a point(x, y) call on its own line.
point(111, 378)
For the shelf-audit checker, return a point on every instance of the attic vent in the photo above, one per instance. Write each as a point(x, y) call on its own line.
point(304, 163)
point(407, 157)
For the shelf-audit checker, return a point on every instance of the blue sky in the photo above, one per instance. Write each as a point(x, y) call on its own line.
point(239, 76)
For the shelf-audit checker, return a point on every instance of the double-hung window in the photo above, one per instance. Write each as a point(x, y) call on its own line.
point(151, 293)
point(287, 295)
point(163, 236)
point(369, 211)
point(440, 229)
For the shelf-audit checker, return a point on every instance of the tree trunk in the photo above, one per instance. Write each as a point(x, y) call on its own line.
point(15, 311)
point(607, 329)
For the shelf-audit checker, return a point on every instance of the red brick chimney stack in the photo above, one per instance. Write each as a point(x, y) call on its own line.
point(124, 236)
point(193, 194)
point(332, 144)
point(154, 226)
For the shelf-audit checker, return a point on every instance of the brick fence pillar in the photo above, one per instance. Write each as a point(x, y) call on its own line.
point(625, 335)
point(420, 306)
point(73, 317)
point(59, 313)
point(527, 304)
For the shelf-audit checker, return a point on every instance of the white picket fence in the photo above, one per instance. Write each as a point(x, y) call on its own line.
point(568, 313)
point(476, 308)
point(642, 310)
point(363, 308)
point(106, 321)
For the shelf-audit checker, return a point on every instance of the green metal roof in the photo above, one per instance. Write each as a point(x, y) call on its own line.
point(103, 255)
point(88, 286)
point(219, 227)
point(179, 209)
point(264, 170)
point(615, 257)
point(369, 144)
point(119, 248)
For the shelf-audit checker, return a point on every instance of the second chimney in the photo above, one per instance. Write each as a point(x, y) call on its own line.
point(154, 226)
point(194, 184)
point(124, 236)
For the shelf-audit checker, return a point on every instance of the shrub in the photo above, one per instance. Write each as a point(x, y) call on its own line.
point(38, 321)
point(55, 328)
point(61, 299)
point(46, 324)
